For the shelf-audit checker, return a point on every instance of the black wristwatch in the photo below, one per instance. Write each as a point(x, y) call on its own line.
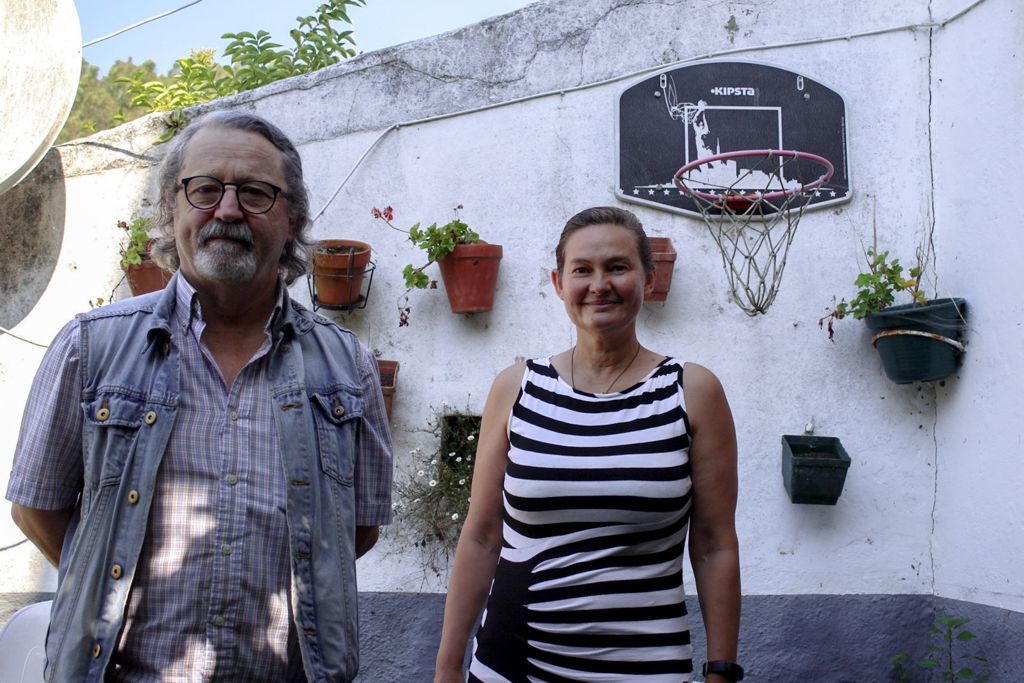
point(730, 670)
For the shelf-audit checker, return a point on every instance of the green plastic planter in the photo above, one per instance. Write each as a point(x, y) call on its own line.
point(919, 343)
point(814, 468)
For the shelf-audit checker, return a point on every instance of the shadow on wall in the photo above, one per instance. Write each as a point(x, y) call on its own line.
point(31, 230)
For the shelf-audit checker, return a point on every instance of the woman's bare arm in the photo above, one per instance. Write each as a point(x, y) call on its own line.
point(476, 556)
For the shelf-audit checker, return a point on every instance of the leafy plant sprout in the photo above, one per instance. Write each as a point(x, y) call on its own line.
point(436, 241)
point(137, 249)
point(879, 285)
point(943, 657)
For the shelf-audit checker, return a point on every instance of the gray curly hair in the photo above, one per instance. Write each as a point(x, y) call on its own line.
point(295, 257)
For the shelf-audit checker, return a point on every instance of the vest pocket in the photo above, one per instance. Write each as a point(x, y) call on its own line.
point(335, 415)
point(112, 423)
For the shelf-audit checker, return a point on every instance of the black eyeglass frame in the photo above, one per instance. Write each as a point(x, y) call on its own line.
point(223, 188)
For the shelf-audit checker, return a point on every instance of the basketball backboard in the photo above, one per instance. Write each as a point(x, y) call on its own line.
point(700, 110)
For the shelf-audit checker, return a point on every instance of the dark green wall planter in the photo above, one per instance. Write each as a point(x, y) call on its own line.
point(919, 343)
point(814, 468)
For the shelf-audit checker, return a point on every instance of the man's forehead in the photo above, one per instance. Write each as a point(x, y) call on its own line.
point(215, 146)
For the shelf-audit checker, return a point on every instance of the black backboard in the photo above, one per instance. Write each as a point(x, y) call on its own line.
point(690, 112)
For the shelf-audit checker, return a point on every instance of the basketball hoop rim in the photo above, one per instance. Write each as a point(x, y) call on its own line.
point(754, 196)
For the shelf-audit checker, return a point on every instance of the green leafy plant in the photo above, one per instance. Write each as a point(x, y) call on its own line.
point(878, 287)
point(436, 240)
point(432, 502)
point(136, 250)
point(943, 658)
point(253, 60)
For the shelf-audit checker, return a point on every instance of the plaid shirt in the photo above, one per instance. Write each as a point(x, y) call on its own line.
point(211, 595)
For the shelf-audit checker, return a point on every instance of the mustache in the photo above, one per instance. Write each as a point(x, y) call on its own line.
point(239, 232)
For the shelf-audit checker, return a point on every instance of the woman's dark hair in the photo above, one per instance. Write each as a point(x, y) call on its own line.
point(295, 257)
point(606, 215)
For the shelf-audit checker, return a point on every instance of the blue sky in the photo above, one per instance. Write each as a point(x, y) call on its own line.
point(381, 23)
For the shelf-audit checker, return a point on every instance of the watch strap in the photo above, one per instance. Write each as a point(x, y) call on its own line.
point(730, 670)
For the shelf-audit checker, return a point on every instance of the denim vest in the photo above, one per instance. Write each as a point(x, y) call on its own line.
point(130, 395)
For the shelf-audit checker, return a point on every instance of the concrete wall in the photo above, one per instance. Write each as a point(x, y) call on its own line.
point(917, 517)
point(978, 544)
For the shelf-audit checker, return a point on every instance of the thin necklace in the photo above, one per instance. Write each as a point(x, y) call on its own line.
point(572, 369)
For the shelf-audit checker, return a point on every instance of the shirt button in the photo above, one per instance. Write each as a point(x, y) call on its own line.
point(96, 650)
point(133, 497)
point(116, 571)
point(226, 549)
point(150, 417)
point(233, 415)
point(218, 620)
point(232, 479)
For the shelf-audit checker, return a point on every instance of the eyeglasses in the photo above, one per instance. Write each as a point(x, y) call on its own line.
point(254, 196)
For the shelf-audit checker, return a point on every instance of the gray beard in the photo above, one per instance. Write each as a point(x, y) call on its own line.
point(228, 261)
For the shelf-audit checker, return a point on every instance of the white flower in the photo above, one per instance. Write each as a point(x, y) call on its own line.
point(451, 454)
point(458, 459)
point(470, 438)
point(433, 482)
point(455, 515)
point(462, 482)
point(420, 473)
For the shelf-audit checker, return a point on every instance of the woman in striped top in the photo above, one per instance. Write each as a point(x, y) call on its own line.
point(591, 467)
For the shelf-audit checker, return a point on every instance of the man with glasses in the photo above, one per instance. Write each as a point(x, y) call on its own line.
point(204, 464)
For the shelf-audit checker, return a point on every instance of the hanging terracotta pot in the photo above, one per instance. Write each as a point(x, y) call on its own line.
point(470, 275)
point(664, 255)
point(338, 270)
point(388, 370)
point(146, 277)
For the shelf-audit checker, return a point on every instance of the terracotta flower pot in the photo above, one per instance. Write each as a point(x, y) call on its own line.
point(470, 275)
point(338, 269)
point(146, 277)
point(664, 263)
point(388, 370)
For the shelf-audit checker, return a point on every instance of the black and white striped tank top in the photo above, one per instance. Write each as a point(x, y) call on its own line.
point(597, 500)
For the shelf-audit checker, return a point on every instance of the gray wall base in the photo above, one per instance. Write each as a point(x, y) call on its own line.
point(784, 638)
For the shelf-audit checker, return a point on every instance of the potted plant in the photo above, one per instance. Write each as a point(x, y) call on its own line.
point(664, 255)
point(918, 341)
point(813, 468)
point(339, 267)
point(469, 265)
point(431, 503)
point(388, 370)
point(142, 273)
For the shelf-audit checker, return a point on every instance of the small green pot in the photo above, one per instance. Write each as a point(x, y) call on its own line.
point(814, 468)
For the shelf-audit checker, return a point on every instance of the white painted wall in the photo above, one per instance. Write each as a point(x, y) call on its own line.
point(521, 170)
point(979, 513)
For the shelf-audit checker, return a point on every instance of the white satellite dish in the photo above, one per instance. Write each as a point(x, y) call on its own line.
point(41, 54)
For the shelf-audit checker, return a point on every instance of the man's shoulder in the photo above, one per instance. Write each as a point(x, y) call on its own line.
point(308, 320)
point(145, 303)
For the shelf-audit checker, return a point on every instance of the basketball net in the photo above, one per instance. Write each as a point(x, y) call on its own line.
point(752, 214)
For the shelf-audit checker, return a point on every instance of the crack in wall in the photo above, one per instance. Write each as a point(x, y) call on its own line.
point(931, 250)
